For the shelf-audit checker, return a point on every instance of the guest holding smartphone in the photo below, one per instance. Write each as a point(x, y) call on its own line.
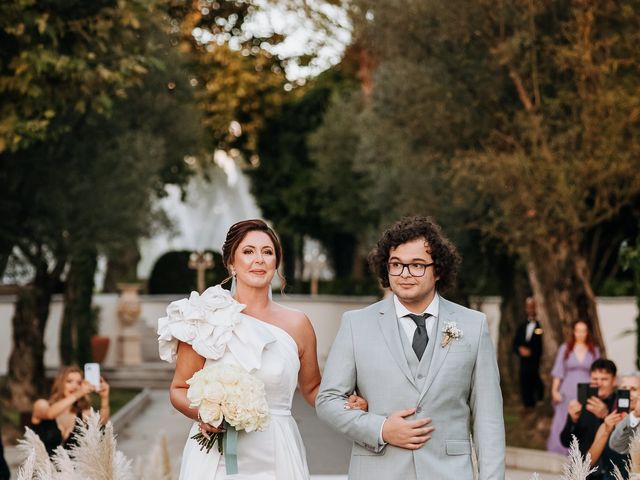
point(583, 421)
point(623, 432)
point(602, 454)
point(54, 420)
point(571, 366)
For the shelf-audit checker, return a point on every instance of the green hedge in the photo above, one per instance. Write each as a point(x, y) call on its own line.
point(171, 273)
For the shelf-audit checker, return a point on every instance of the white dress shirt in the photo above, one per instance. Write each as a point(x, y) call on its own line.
point(633, 420)
point(407, 325)
point(531, 325)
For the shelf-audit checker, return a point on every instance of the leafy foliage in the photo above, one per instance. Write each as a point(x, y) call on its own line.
point(63, 58)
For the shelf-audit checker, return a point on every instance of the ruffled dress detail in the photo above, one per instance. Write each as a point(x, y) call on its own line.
point(214, 325)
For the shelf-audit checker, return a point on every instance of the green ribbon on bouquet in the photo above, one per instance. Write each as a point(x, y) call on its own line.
point(230, 448)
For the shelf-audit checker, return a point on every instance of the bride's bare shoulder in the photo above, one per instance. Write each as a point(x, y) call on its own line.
point(293, 320)
point(290, 314)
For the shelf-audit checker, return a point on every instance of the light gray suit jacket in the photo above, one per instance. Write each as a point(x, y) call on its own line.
point(457, 386)
point(621, 436)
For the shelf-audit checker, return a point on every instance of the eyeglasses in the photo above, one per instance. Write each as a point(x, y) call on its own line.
point(415, 269)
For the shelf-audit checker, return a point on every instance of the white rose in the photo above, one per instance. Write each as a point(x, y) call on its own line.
point(214, 392)
point(211, 413)
point(195, 394)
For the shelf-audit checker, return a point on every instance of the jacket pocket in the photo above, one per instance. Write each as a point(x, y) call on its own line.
point(458, 447)
point(459, 347)
point(358, 450)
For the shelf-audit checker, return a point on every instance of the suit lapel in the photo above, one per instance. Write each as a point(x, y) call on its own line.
point(388, 323)
point(440, 353)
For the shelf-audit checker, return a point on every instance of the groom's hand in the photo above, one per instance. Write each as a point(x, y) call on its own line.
point(409, 434)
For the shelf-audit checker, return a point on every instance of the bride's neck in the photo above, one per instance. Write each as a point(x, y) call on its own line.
point(255, 299)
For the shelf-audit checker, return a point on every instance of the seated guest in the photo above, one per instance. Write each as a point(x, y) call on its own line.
point(602, 455)
point(622, 434)
point(584, 421)
point(54, 420)
point(4, 468)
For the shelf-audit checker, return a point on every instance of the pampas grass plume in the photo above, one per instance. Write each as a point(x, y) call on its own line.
point(38, 464)
point(577, 468)
point(156, 465)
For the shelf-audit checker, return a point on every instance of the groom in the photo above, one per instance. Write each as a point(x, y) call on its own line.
point(425, 365)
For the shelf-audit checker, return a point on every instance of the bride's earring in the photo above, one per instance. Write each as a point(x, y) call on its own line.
point(233, 282)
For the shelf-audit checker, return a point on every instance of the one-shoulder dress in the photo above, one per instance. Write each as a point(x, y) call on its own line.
point(214, 325)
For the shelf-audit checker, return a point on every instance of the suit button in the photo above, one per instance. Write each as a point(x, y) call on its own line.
point(420, 376)
point(418, 409)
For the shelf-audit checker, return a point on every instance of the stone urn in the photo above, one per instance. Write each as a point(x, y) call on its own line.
point(129, 308)
point(129, 303)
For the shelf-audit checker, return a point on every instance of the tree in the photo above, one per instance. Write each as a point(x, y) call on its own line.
point(565, 156)
point(630, 260)
point(84, 180)
point(238, 80)
point(523, 116)
point(94, 104)
point(134, 153)
point(294, 182)
point(61, 53)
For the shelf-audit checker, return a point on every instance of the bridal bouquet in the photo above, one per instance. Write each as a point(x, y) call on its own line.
point(230, 396)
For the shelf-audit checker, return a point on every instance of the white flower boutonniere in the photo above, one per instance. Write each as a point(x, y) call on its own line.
point(450, 332)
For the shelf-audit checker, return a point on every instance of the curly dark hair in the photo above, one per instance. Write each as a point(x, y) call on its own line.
point(442, 251)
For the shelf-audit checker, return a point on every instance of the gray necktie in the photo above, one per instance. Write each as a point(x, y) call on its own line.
point(420, 336)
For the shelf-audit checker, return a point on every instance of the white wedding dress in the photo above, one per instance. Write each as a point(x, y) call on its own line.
point(215, 327)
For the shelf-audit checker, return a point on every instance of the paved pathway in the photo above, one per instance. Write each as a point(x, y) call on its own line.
point(327, 451)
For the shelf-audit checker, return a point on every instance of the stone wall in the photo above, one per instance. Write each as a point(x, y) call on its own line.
point(616, 315)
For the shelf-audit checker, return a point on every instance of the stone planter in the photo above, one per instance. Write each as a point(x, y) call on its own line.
point(129, 308)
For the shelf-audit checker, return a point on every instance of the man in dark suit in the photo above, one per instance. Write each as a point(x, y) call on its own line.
point(527, 344)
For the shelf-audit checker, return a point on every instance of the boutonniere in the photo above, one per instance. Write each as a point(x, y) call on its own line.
point(450, 332)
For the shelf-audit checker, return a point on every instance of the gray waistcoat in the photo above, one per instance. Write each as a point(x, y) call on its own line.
point(420, 369)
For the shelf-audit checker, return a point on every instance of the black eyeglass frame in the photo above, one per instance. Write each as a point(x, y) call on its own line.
point(408, 267)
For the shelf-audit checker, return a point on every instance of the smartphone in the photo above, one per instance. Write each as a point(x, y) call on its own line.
point(585, 390)
point(92, 374)
point(623, 401)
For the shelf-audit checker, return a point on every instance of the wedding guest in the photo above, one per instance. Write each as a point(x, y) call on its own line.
point(5, 474)
point(621, 436)
point(527, 345)
point(54, 420)
point(572, 366)
point(583, 421)
point(602, 454)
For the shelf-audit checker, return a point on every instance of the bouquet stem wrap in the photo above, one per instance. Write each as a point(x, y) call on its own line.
point(230, 442)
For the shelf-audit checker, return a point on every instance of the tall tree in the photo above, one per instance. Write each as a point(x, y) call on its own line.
point(111, 206)
point(522, 115)
point(61, 53)
point(68, 64)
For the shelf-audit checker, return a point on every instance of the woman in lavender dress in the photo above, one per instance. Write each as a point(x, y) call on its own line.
point(573, 360)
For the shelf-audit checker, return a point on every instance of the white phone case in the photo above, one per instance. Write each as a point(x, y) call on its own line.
point(92, 374)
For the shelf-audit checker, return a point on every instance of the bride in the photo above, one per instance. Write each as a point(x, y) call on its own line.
point(249, 329)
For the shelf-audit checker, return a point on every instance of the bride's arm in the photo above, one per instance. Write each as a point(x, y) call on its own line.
point(188, 362)
point(309, 374)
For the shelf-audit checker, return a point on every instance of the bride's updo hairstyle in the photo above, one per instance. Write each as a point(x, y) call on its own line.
point(236, 234)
